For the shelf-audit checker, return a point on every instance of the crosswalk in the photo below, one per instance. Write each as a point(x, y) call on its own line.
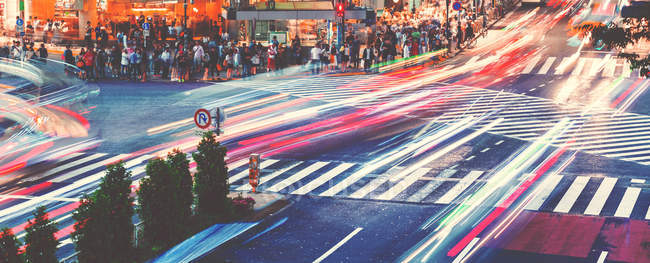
point(601, 131)
point(584, 194)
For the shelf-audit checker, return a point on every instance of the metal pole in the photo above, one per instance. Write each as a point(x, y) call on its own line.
point(341, 31)
point(447, 32)
point(185, 15)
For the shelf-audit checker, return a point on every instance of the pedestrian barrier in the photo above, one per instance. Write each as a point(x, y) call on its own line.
point(407, 62)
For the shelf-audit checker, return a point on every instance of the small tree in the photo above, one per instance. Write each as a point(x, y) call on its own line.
point(166, 191)
point(629, 31)
point(40, 240)
point(104, 227)
point(211, 178)
point(9, 247)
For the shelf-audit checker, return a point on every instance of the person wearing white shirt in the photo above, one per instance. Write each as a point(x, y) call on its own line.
point(198, 55)
point(315, 59)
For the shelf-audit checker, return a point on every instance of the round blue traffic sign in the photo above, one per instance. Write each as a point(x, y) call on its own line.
point(19, 22)
point(456, 6)
point(145, 26)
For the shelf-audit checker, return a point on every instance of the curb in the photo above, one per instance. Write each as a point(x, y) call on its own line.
point(272, 211)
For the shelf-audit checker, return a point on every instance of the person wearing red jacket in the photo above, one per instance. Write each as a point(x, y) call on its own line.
point(89, 63)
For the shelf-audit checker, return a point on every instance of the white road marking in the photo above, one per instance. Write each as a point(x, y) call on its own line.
point(531, 65)
point(466, 250)
point(579, 67)
point(600, 197)
point(485, 150)
point(601, 258)
point(73, 164)
point(637, 181)
point(564, 64)
point(458, 188)
point(85, 169)
point(549, 184)
point(546, 66)
point(571, 194)
point(431, 186)
point(296, 177)
point(264, 179)
point(245, 172)
point(470, 158)
point(499, 142)
point(402, 185)
point(374, 183)
point(339, 244)
point(627, 203)
point(47, 198)
point(322, 179)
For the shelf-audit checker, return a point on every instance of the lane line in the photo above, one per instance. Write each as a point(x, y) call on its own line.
point(339, 244)
point(600, 197)
point(627, 203)
point(572, 194)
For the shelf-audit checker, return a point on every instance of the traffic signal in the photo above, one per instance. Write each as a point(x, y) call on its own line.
point(340, 10)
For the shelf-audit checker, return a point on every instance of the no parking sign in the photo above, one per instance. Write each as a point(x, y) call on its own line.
point(456, 6)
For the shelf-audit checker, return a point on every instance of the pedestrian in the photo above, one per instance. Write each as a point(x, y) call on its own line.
point(89, 62)
point(315, 59)
point(165, 58)
point(42, 53)
point(345, 56)
point(272, 53)
point(100, 64)
point(88, 35)
point(228, 64)
point(198, 56)
point(124, 63)
point(255, 61)
point(368, 57)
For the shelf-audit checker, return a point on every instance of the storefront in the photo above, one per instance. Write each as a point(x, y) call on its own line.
point(75, 13)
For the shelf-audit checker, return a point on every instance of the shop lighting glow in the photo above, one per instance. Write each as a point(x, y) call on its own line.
point(148, 9)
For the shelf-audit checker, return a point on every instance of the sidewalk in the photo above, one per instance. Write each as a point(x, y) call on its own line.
point(266, 205)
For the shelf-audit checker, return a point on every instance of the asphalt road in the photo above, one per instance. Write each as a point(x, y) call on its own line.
point(525, 147)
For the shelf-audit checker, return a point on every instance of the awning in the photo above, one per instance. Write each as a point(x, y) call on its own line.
point(297, 14)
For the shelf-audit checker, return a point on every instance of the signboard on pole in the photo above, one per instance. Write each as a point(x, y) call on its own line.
point(202, 118)
point(456, 6)
point(254, 171)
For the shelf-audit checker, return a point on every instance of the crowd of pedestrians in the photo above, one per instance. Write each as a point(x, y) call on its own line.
point(170, 51)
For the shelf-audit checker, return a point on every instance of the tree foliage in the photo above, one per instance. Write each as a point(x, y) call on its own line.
point(211, 178)
point(40, 240)
point(104, 227)
point(615, 36)
point(9, 247)
point(166, 200)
